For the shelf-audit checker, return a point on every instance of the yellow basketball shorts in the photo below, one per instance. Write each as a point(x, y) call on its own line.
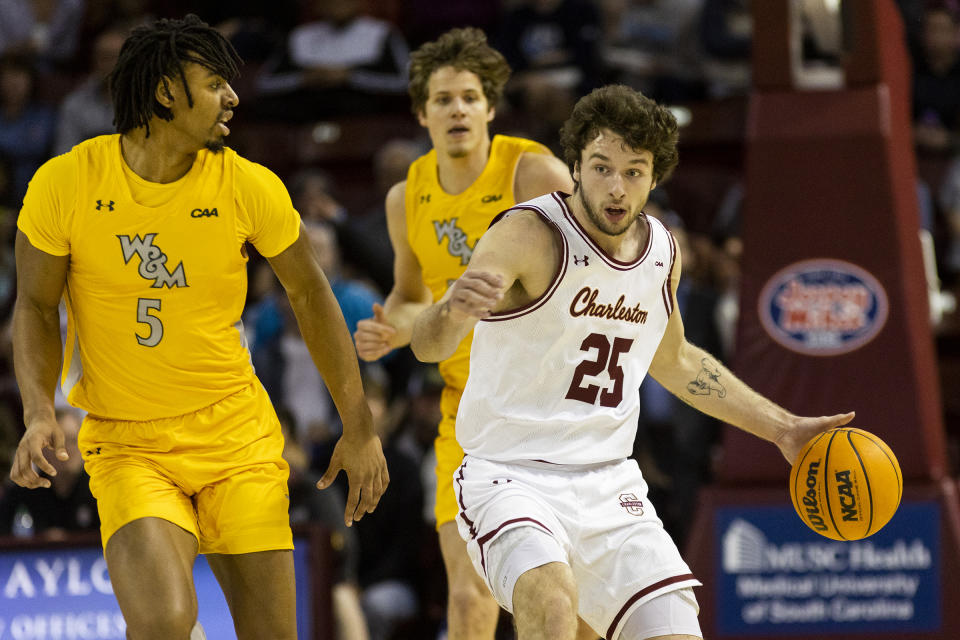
point(217, 473)
point(449, 457)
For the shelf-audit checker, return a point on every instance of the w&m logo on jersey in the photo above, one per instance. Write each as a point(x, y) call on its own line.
point(152, 261)
point(456, 239)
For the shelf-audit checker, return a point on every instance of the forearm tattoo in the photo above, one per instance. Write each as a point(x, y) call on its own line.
point(707, 381)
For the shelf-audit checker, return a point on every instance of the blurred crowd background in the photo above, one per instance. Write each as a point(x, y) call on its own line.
point(323, 104)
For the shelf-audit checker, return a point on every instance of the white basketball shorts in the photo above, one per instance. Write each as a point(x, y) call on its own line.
point(597, 519)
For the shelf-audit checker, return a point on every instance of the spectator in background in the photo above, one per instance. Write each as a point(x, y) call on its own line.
point(255, 28)
point(307, 505)
point(553, 47)
point(87, 111)
point(389, 573)
point(726, 31)
point(8, 231)
point(652, 45)
point(66, 506)
point(288, 373)
point(365, 239)
point(26, 126)
point(949, 198)
point(340, 64)
point(355, 296)
point(9, 206)
point(45, 30)
point(313, 196)
point(936, 82)
point(428, 19)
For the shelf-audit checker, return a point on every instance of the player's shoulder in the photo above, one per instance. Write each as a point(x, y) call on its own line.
point(396, 195)
point(538, 174)
point(524, 145)
point(252, 175)
point(523, 221)
point(245, 165)
point(65, 167)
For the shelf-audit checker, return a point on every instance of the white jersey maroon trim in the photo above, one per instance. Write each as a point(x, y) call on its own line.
point(557, 380)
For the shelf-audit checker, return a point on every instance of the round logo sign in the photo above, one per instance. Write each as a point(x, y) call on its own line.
point(823, 307)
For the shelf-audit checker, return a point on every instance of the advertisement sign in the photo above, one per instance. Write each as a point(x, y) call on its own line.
point(776, 576)
point(65, 594)
point(823, 307)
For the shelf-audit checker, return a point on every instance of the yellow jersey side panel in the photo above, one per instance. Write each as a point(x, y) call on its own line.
point(443, 229)
point(154, 294)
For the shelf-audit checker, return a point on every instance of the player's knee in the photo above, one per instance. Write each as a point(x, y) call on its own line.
point(554, 613)
point(561, 604)
point(470, 595)
point(546, 598)
point(161, 623)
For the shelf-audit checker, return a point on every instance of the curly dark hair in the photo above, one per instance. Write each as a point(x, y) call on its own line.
point(641, 122)
point(463, 49)
point(155, 54)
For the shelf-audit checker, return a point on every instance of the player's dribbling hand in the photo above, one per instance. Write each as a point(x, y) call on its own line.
point(367, 475)
point(374, 336)
point(476, 294)
point(29, 457)
point(793, 440)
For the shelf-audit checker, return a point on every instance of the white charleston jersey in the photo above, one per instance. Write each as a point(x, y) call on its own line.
point(558, 379)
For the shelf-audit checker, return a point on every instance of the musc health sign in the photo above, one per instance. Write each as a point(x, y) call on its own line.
point(776, 576)
point(822, 307)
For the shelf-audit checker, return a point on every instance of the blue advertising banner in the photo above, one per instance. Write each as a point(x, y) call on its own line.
point(776, 576)
point(65, 594)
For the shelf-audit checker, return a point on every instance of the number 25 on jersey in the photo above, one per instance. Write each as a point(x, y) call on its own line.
point(607, 358)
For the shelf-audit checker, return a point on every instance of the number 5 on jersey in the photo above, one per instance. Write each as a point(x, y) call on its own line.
point(154, 326)
point(606, 358)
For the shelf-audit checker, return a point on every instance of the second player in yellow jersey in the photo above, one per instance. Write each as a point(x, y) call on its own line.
point(443, 228)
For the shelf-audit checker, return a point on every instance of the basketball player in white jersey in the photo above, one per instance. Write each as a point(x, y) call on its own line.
point(572, 300)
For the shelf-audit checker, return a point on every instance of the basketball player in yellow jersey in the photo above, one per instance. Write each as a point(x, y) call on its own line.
point(435, 218)
point(143, 234)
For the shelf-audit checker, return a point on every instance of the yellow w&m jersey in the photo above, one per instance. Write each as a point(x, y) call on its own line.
point(157, 276)
point(443, 229)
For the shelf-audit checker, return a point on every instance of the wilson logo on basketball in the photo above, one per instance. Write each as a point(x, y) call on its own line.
point(810, 502)
point(846, 483)
point(848, 501)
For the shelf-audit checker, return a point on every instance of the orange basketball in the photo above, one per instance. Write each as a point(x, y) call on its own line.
point(846, 484)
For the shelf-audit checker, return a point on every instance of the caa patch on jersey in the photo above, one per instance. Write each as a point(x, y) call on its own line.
point(823, 307)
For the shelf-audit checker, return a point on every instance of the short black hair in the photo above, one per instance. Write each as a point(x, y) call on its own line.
point(155, 53)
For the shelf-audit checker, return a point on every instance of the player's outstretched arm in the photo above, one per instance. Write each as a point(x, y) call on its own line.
point(391, 325)
point(358, 452)
point(512, 259)
point(37, 359)
point(703, 382)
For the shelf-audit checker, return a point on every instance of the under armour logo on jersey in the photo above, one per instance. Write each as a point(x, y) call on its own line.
point(631, 503)
point(109, 205)
point(457, 244)
point(152, 261)
point(585, 260)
